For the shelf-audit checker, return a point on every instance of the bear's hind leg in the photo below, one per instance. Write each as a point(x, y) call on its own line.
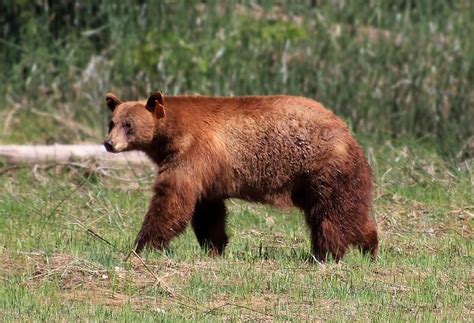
point(369, 243)
point(334, 229)
point(209, 225)
point(326, 240)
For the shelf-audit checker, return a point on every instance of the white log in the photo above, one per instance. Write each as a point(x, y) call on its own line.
point(43, 154)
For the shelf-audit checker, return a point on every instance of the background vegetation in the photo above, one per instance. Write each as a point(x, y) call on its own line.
point(401, 73)
point(391, 68)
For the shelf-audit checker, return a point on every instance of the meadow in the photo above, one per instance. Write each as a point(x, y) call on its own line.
point(401, 73)
point(65, 233)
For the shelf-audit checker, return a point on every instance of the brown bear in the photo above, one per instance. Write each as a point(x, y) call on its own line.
point(280, 150)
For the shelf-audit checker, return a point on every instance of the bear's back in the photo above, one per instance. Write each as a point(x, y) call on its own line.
point(263, 142)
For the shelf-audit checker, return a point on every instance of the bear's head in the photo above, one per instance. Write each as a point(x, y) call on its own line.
point(133, 123)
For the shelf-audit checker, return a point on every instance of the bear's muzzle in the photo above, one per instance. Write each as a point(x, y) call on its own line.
point(108, 146)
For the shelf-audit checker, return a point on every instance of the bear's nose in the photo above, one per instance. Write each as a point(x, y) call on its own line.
point(108, 146)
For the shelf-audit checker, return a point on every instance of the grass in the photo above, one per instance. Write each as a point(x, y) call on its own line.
point(392, 68)
point(54, 267)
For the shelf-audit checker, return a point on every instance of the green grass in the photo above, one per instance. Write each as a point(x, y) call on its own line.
point(54, 269)
point(392, 68)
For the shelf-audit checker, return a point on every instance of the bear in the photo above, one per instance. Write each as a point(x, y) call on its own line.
point(286, 151)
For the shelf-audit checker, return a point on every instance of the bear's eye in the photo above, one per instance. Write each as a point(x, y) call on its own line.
point(127, 126)
point(111, 125)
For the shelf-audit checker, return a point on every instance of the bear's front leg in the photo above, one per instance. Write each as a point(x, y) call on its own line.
point(169, 213)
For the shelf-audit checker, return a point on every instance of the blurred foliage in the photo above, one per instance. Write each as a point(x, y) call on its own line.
point(390, 68)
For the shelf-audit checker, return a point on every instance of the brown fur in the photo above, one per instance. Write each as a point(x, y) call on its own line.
point(280, 150)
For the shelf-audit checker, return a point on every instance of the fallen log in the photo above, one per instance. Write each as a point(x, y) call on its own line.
point(51, 154)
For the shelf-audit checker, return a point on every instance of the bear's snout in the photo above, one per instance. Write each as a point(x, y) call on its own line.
point(108, 146)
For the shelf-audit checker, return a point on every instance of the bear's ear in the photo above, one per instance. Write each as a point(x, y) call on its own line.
point(156, 104)
point(112, 101)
